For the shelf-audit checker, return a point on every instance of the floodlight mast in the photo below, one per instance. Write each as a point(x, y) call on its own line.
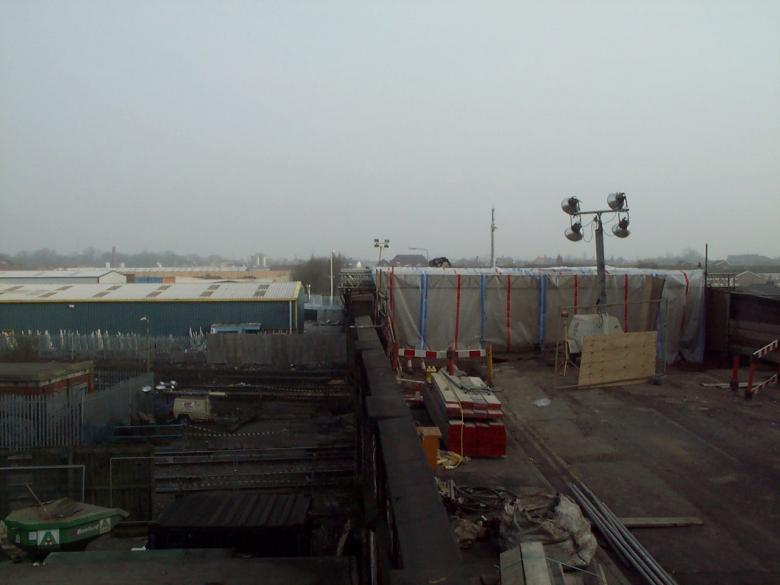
point(618, 203)
point(381, 244)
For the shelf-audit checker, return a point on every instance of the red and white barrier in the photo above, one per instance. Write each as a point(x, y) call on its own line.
point(759, 353)
point(752, 389)
point(442, 355)
point(768, 382)
point(422, 353)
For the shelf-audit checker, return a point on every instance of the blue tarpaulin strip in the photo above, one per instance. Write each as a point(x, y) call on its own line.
point(423, 310)
point(542, 308)
point(482, 287)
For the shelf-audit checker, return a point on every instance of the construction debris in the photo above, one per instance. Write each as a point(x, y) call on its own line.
point(467, 531)
point(553, 519)
point(473, 499)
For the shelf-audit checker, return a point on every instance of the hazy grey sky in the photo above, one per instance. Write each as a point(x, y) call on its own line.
point(290, 127)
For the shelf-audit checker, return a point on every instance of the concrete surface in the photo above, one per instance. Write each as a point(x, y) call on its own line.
point(676, 449)
point(233, 571)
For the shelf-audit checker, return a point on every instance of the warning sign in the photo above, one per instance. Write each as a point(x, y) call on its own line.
point(49, 537)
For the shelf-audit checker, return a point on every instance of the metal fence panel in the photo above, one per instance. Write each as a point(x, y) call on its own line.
point(41, 420)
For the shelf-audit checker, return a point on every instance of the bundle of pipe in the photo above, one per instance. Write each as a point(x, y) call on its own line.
point(626, 546)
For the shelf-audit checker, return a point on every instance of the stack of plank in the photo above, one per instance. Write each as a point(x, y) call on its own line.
point(468, 415)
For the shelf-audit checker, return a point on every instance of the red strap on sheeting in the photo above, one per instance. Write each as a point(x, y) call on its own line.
point(625, 303)
point(508, 313)
point(457, 310)
point(390, 294)
point(576, 292)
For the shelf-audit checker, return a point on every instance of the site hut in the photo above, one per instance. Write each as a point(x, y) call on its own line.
point(166, 309)
point(75, 276)
point(41, 403)
point(26, 378)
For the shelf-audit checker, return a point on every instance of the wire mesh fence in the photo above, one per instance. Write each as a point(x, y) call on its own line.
point(101, 345)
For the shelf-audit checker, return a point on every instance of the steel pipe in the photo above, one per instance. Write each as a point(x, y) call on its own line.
point(621, 540)
point(623, 550)
point(668, 580)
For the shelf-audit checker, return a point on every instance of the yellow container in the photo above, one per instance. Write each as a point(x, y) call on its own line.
point(429, 438)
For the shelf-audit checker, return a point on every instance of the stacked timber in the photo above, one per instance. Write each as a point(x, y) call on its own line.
point(468, 414)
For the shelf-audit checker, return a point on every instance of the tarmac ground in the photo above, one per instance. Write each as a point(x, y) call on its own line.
point(669, 450)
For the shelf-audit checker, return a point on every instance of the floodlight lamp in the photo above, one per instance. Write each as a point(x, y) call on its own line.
point(616, 201)
point(574, 233)
point(621, 229)
point(571, 205)
point(376, 242)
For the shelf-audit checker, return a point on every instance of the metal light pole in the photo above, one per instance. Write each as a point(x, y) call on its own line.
point(601, 269)
point(618, 204)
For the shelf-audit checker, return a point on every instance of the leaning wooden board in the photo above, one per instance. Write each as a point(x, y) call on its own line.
point(615, 358)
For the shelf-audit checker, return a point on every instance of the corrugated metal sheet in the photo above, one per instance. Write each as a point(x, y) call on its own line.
point(139, 292)
point(171, 269)
point(242, 510)
point(74, 273)
point(41, 372)
point(165, 317)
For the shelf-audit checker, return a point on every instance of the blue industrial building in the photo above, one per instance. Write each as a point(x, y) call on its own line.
point(167, 309)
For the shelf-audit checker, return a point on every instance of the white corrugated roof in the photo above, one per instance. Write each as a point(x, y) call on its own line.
point(82, 293)
point(170, 269)
point(69, 273)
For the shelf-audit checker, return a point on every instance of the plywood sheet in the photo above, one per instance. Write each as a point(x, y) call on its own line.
point(617, 358)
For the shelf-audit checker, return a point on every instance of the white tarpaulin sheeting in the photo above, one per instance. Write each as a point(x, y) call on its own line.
point(519, 309)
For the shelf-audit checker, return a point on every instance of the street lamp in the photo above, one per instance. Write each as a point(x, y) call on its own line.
point(381, 244)
point(618, 204)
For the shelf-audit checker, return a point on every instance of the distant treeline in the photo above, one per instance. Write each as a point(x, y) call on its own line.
point(48, 258)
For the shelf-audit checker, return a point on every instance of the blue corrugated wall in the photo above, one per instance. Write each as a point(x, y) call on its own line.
point(166, 318)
